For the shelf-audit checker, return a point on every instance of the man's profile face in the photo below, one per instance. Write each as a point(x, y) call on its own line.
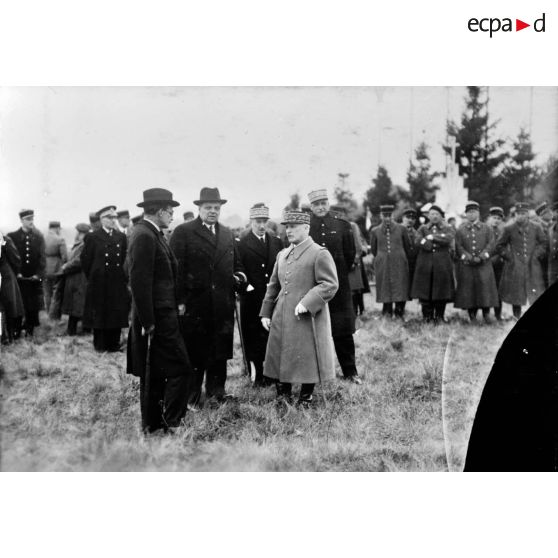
point(209, 212)
point(297, 233)
point(165, 217)
point(27, 223)
point(124, 221)
point(320, 208)
point(259, 226)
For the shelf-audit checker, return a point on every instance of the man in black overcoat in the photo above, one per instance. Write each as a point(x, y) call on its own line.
point(209, 272)
point(30, 244)
point(335, 233)
point(153, 274)
point(258, 251)
point(106, 298)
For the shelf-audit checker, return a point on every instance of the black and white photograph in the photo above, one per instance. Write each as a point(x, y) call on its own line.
point(276, 278)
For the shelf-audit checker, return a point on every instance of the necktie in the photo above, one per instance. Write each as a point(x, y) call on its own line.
point(262, 240)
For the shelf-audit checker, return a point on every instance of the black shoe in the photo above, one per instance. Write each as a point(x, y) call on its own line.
point(305, 402)
point(354, 379)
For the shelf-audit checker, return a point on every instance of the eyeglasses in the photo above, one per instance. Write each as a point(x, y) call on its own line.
point(169, 211)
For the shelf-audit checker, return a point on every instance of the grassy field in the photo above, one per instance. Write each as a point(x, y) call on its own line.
point(67, 408)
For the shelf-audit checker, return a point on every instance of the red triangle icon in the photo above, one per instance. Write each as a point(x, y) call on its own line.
point(519, 25)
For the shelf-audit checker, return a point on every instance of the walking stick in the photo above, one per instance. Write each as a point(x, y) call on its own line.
point(247, 371)
point(146, 386)
point(315, 337)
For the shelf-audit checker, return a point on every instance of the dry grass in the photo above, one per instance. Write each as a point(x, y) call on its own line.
point(66, 408)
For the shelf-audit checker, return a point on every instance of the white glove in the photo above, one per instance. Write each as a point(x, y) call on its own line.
point(266, 323)
point(300, 309)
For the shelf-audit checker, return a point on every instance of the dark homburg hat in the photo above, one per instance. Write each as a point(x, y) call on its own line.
point(522, 206)
point(157, 195)
point(105, 209)
point(388, 208)
point(437, 208)
point(496, 211)
point(210, 195)
point(26, 213)
point(54, 224)
point(472, 205)
point(123, 213)
point(295, 218)
point(83, 227)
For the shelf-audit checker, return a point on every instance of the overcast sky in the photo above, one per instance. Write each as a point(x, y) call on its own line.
point(68, 151)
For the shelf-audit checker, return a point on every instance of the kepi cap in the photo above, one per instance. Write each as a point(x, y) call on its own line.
point(295, 218)
point(26, 213)
point(317, 195)
point(259, 211)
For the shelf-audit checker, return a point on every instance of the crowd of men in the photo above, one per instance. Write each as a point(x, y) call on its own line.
point(299, 289)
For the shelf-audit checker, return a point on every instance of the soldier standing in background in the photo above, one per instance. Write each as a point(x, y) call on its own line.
point(107, 298)
point(476, 285)
point(389, 243)
point(123, 221)
point(30, 244)
point(523, 245)
point(496, 216)
point(335, 234)
point(94, 221)
point(11, 303)
point(433, 282)
point(258, 251)
point(553, 246)
point(409, 219)
point(544, 219)
point(56, 255)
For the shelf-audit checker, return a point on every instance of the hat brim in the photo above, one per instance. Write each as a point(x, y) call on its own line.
point(199, 202)
point(172, 203)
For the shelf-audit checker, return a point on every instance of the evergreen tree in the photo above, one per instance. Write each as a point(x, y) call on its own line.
point(381, 192)
point(480, 155)
point(345, 197)
point(547, 188)
point(420, 178)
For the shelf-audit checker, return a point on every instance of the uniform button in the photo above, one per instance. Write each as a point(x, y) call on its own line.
point(323, 234)
point(323, 243)
point(106, 264)
point(286, 292)
point(118, 254)
point(118, 245)
point(268, 275)
point(106, 254)
point(263, 265)
point(323, 225)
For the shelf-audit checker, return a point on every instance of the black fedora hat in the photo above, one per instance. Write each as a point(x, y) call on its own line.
point(210, 195)
point(157, 195)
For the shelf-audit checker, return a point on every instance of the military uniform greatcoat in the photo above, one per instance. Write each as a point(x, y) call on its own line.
point(75, 283)
point(11, 303)
point(56, 254)
point(305, 273)
point(31, 248)
point(389, 243)
point(522, 277)
point(552, 253)
point(433, 279)
point(476, 284)
point(258, 259)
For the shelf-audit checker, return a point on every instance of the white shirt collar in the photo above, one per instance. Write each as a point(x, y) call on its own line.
point(107, 230)
point(259, 237)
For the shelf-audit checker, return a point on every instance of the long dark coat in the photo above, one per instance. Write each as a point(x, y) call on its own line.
point(257, 260)
point(56, 254)
point(106, 300)
point(412, 254)
point(552, 254)
point(476, 284)
point(336, 234)
point(356, 274)
point(433, 279)
point(153, 273)
point(75, 283)
point(516, 424)
point(31, 248)
point(206, 265)
point(497, 258)
point(522, 277)
point(306, 274)
point(390, 245)
point(10, 297)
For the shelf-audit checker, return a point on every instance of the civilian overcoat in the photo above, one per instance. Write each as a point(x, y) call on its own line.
point(305, 273)
point(75, 283)
point(335, 233)
point(206, 266)
point(10, 297)
point(389, 244)
point(257, 260)
point(476, 284)
point(56, 253)
point(522, 277)
point(31, 248)
point(107, 300)
point(412, 254)
point(496, 258)
point(153, 270)
point(433, 279)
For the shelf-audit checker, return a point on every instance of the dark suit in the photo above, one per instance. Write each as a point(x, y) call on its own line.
point(153, 273)
point(258, 259)
point(31, 248)
point(336, 234)
point(11, 303)
point(106, 299)
point(206, 265)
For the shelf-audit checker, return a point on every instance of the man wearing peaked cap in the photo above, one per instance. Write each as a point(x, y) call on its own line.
point(30, 244)
point(295, 312)
point(155, 332)
point(258, 251)
point(123, 221)
point(389, 243)
point(336, 235)
point(209, 272)
point(94, 221)
point(553, 246)
point(56, 256)
point(408, 220)
point(476, 284)
point(496, 223)
point(107, 300)
point(523, 245)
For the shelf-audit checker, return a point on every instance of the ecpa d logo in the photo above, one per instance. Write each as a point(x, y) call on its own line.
point(492, 25)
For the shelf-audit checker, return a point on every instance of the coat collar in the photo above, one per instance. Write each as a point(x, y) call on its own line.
point(255, 244)
point(297, 251)
point(476, 225)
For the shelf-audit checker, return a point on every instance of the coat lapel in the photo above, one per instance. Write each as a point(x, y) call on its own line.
point(256, 245)
point(222, 242)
